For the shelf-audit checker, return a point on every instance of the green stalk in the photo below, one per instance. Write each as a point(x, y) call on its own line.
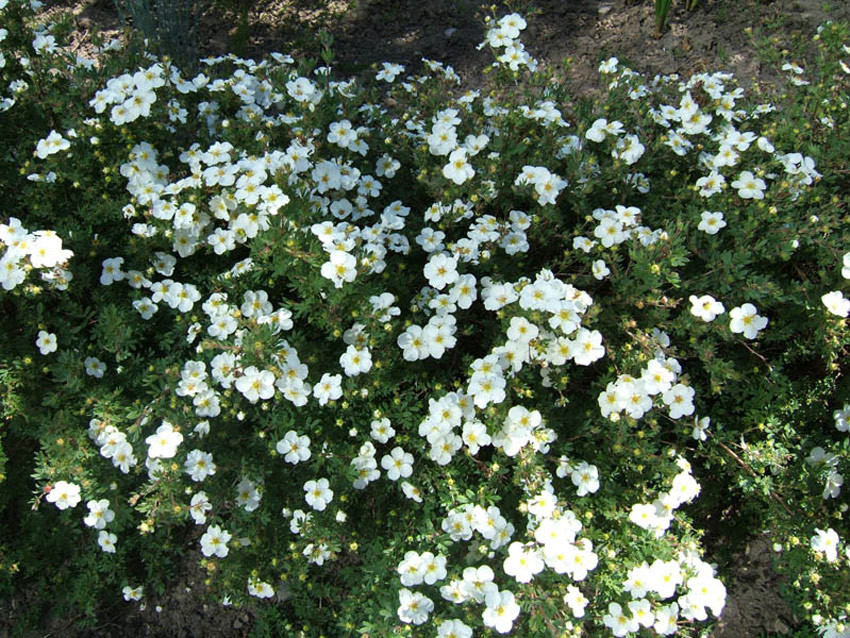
point(662, 8)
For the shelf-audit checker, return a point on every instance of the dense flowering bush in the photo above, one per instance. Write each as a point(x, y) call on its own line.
point(410, 360)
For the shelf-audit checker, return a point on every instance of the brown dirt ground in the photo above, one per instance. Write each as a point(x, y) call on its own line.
point(719, 35)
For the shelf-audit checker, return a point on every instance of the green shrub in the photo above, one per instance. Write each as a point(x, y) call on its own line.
point(464, 361)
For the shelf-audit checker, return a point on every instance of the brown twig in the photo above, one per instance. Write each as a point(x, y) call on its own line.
point(753, 473)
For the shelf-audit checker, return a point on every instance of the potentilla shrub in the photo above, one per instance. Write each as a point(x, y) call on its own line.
point(406, 359)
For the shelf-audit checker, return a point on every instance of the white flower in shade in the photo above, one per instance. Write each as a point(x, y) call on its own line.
point(111, 271)
point(64, 495)
point(318, 494)
point(54, 142)
point(99, 514)
point(389, 71)
point(317, 553)
point(198, 508)
point(745, 319)
point(711, 223)
point(46, 342)
point(600, 269)
point(412, 492)
point(248, 495)
point(836, 303)
point(164, 443)
point(145, 307)
point(826, 542)
point(214, 542)
point(259, 588)
point(842, 418)
point(706, 307)
point(107, 541)
point(700, 428)
point(94, 367)
point(132, 593)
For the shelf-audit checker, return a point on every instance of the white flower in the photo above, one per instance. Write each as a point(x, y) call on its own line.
point(706, 307)
point(259, 588)
point(199, 465)
point(441, 270)
point(356, 361)
point(501, 610)
point(458, 169)
point(522, 563)
point(99, 514)
point(381, 430)
point(111, 271)
point(680, 400)
point(836, 303)
point(588, 347)
point(619, 622)
point(745, 319)
point(255, 384)
point(398, 464)
point(585, 477)
point(94, 367)
point(295, 448)
point(53, 143)
point(163, 444)
point(132, 593)
point(600, 269)
point(340, 268)
point(64, 495)
point(575, 599)
point(318, 494)
point(107, 541)
point(46, 342)
point(412, 492)
point(749, 186)
point(214, 542)
point(198, 508)
point(414, 608)
point(329, 388)
point(711, 223)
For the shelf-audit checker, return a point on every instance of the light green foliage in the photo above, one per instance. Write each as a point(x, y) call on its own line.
point(512, 332)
